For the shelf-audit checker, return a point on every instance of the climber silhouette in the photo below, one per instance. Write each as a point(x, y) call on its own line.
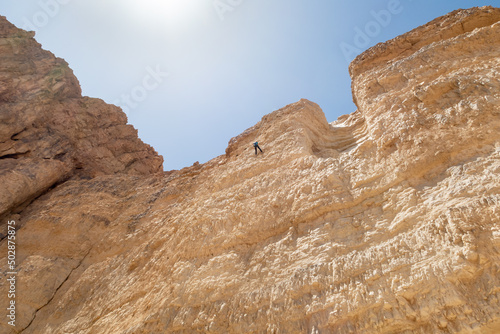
point(256, 145)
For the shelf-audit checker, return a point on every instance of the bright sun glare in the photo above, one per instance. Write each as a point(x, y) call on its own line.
point(165, 12)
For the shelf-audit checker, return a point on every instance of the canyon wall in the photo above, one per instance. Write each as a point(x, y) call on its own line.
point(384, 221)
point(49, 132)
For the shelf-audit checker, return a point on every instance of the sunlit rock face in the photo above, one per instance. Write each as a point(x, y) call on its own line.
point(384, 221)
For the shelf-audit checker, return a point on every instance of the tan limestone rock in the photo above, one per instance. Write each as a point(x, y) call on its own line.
point(384, 221)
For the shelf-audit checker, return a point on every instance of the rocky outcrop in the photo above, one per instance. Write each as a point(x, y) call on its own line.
point(384, 221)
point(49, 132)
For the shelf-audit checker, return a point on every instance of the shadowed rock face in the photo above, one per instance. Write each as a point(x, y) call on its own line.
point(385, 221)
point(49, 132)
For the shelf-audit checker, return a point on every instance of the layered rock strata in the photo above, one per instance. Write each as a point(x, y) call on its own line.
point(385, 221)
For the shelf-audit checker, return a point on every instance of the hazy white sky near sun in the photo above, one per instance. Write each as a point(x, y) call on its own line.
point(191, 74)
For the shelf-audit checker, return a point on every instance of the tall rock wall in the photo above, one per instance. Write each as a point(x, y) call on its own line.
point(385, 221)
point(49, 132)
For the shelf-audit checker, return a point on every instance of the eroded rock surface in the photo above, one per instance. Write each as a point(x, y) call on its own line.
point(49, 132)
point(385, 221)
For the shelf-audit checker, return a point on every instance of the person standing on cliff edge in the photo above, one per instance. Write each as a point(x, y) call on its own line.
point(256, 146)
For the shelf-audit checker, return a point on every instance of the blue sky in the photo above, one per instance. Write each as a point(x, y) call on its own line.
point(191, 74)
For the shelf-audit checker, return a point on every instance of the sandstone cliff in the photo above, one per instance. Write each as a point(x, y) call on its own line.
point(49, 132)
point(385, 221)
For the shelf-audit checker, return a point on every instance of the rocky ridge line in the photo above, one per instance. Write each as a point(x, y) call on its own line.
point(385, 221)
point(49, 132)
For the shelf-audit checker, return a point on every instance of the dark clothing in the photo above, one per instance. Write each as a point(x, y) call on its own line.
point(256, 145)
